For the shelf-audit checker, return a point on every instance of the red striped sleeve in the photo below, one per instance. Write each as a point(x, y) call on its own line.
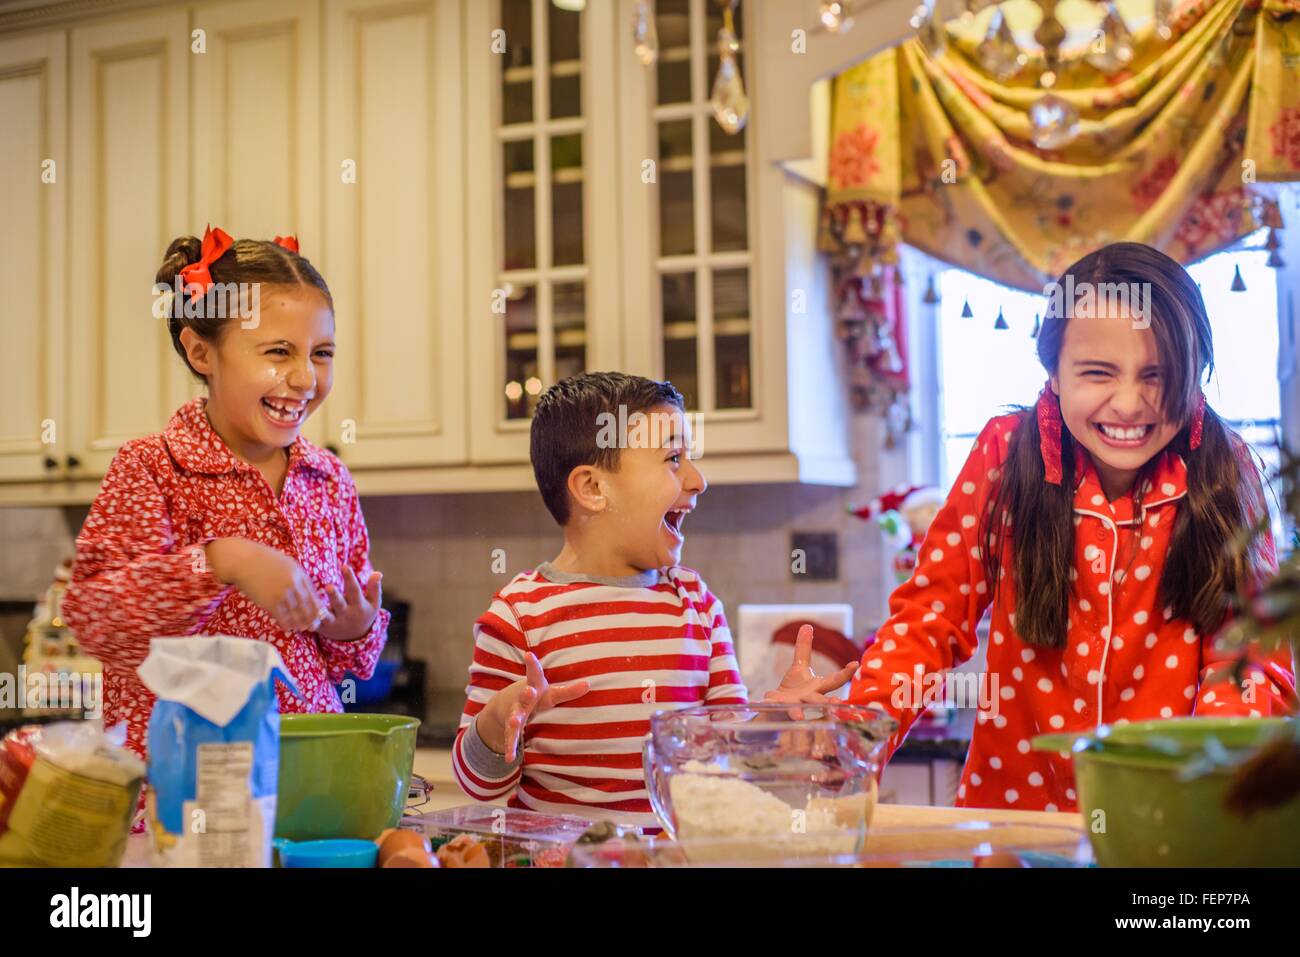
point(479, 788)
point(725, 683)
point(640, 649)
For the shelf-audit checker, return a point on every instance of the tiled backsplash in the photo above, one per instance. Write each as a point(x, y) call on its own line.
point(32, 543)
point(438, 551)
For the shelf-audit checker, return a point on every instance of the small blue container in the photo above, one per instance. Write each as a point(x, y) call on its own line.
point(339, 852)
point(374, 689)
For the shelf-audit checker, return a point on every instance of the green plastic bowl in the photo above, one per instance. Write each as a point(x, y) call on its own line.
point(343, 775)
point(1140, 813)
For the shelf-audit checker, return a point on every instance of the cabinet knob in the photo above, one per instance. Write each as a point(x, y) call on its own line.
point(50, 463)
point(74, 462)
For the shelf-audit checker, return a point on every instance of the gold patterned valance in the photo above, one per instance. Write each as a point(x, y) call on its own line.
point(1175, 150)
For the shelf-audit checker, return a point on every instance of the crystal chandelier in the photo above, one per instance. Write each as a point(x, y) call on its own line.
point(836, 15)
point(644, 35)
point(729, 102)
point(728, 98)
point(1054, 121)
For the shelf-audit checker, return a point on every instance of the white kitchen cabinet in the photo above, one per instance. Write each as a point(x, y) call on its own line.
point(129, 151)
point(477, 202)
point(542, 236)
point(699, 257)
point(698, 301)
point(393, 171)
point(256, 127)
point(33, 195)
point(736, 306)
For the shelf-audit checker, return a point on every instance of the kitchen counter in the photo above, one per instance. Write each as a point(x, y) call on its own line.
point(1023, 828)
point(912, 815)
point(892, 824)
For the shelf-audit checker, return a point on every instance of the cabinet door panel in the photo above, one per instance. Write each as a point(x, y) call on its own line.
point(129, 156)
point(257, 125)
point(542, 186)
point(393, 174)
point(33, 190)
point(704, 287)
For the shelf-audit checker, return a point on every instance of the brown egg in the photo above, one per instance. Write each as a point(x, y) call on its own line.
point(999, 859)
point(397, 841)
point(463, 851)
point(412, 857)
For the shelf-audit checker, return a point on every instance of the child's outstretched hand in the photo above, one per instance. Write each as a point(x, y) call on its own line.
point(502, 720)
point(352, 611)
point(800, 684)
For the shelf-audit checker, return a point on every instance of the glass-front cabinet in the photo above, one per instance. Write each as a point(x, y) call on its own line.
point(542, 213)
point(702, 260)
point(610, 220)
point(542, 272)
point(501, 192)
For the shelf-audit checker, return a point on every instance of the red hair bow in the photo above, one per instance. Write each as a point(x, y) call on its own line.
point(1198, 421)
point(288, 242)
point(1049, 431)
point(196, 276)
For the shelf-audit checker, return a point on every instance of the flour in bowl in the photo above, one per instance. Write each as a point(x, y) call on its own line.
point(721, 818)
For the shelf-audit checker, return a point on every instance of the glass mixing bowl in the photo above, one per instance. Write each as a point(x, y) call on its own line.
point(755, 775)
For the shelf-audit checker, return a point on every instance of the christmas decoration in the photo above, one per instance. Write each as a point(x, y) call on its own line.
point(54, 661)
point(904, 514)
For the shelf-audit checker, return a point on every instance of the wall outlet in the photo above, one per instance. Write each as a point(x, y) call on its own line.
point(814, 556)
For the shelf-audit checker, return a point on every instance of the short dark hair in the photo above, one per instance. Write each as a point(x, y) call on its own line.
point(567, 421)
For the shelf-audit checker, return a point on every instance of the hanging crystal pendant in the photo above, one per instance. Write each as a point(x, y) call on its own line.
point(931, 296)
point(998, 53)
point(1165, 19)
point(837, 15)
point(729, 102)
point(1055, 122)
point(1050, 35)
point(644, 34)
point(1238, 284)
point(1111, 48)
point(933, 35)
point(966, 310)
point(1038, 326)
point(1001, 322)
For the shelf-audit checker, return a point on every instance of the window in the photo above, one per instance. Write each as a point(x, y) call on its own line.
point(703, 258)
point(542, 262)
point(982, 370)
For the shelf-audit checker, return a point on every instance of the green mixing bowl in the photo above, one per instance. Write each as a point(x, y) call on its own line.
point(1139, 812)
point(343, 775)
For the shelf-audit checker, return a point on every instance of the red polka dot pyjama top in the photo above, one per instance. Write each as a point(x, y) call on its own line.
point(1126, 659)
